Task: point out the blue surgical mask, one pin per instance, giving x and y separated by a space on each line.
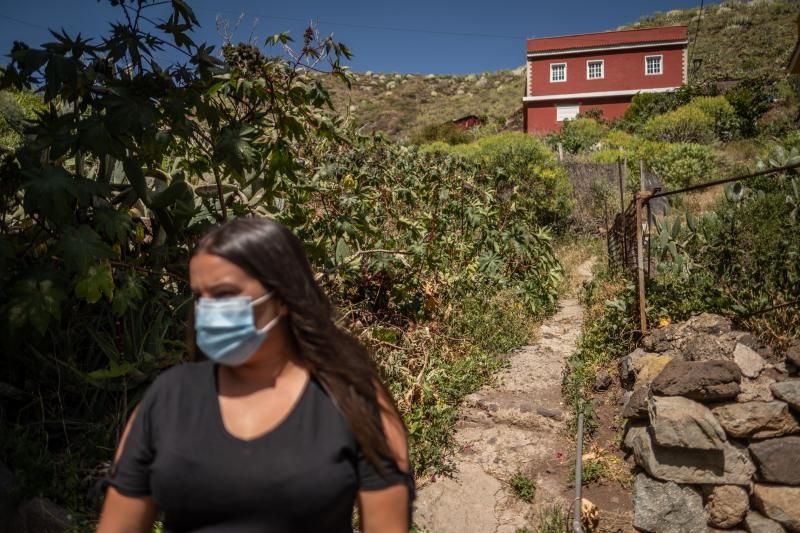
226 328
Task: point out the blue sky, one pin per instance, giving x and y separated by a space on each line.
412 36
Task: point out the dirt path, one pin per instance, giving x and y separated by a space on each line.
518 425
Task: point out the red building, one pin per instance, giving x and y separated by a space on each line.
468 122
574 73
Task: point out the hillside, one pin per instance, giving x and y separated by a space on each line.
736 39
398 104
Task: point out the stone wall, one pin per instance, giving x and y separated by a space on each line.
713 423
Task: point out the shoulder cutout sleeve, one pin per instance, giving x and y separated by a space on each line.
130 474
371 478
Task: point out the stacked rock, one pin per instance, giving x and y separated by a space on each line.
714 425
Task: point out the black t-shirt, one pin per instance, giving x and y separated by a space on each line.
301 476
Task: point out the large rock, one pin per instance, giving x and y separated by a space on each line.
649 366
789 392
779 503
682 422
41 515
756 522
699 380
756 390
727 506
757 420
636 406
663 339
709 323
754 343
666 507
793 353
627 367
729 466
705 347
778 460
748 360
603 381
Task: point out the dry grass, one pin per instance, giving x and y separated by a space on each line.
400 104
571 252
703 200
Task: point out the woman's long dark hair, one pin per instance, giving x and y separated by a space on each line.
273 255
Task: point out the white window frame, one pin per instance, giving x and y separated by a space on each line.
602 69
660 65
551 72
576 107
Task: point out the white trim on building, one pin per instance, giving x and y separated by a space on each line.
599 94
583 50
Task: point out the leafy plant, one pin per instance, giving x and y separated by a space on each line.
552 519
523 487
524 165
446 132
751 98
581 134
686 124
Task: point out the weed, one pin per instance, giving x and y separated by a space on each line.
608 333
552 520
523 487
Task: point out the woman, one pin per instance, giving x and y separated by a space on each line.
282 429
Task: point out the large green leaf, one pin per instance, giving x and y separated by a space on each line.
128 295
81 247
115 370
95 282
342 251
34 302
112 223
234 148
54 192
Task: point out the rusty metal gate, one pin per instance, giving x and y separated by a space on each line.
628 238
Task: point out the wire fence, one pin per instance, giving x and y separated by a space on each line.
629 237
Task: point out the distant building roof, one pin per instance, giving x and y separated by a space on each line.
467 117
608 39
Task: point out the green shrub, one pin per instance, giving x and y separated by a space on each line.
447 133
16 107
581 134
685 124
680 164
525 164
645 106
523 487
677 164
750 99
552 519
721 112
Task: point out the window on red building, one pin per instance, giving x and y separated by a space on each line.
558 72
594 69
653 65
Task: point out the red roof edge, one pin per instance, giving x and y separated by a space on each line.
608 38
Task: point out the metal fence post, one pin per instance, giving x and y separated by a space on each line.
620 178
640 199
